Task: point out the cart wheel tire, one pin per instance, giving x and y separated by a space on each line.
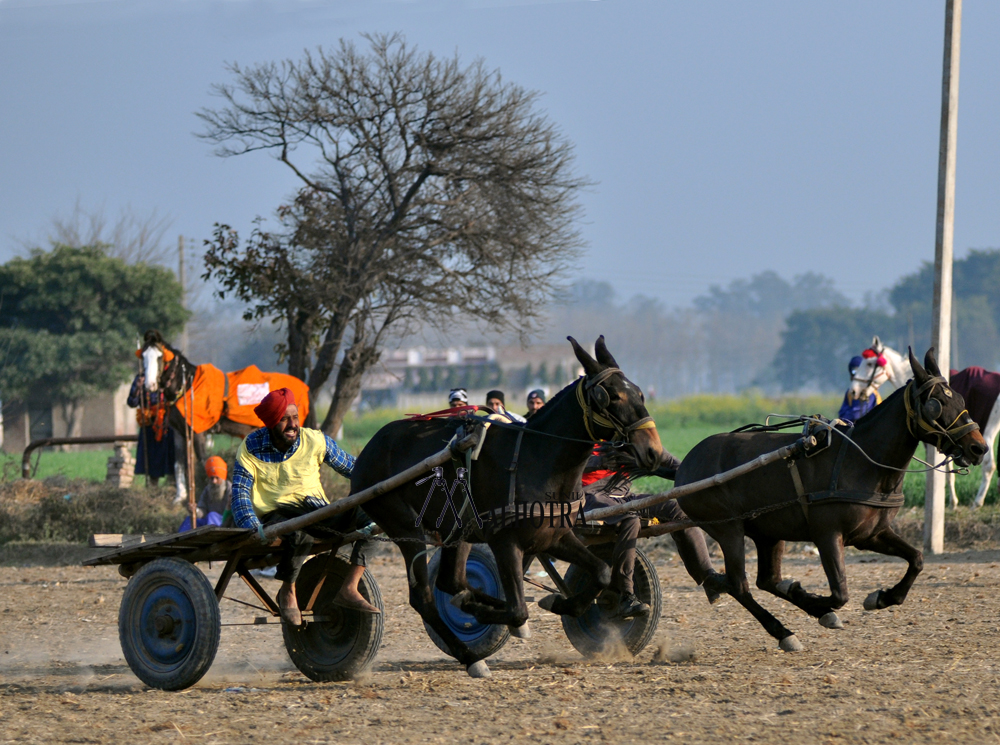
594 634
169 624
343 644
483 639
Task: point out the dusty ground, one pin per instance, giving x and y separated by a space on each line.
925 672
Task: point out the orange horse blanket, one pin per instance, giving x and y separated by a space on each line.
234 395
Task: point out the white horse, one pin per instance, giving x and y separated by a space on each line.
896 370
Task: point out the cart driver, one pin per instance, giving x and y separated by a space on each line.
276 477
604 487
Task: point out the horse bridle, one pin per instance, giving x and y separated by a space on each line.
875 368
921 418
594 399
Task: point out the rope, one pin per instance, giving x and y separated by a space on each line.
798 418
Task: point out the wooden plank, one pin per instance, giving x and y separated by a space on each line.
121 540
175 544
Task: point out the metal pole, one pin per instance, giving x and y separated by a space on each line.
943 244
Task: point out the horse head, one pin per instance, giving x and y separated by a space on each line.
614 407
156 356
936 414
879 364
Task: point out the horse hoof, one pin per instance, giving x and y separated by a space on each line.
871 602
549 601
786 586
460 598
790 644
521 632
831 621
479 670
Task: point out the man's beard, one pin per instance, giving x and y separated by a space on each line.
217 490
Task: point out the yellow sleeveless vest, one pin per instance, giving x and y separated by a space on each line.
291 480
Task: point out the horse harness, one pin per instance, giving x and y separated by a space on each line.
921 422
834 493
594 400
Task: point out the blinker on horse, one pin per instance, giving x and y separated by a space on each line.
845 496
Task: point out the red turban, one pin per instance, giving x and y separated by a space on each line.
215 466
273 407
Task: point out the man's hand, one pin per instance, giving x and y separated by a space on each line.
668 467
264 540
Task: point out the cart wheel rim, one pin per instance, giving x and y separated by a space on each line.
464 625
166 624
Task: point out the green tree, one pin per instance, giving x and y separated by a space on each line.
69 318
817 345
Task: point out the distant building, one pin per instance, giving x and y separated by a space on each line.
418 378
104 415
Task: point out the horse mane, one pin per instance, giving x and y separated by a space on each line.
545 412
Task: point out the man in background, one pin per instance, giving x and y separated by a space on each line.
536 400
495 402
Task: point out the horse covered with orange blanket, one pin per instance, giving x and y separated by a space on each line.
206 400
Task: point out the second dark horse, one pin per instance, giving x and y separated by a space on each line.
839 505
544 464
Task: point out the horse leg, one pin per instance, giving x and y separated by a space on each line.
889 543
952 494
831 554
730 540
452 579
422 601
514 612
989 466
769 554
570 548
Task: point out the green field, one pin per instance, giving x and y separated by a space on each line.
682 424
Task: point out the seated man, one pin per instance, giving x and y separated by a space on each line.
603 489
215 498
495 401
276 477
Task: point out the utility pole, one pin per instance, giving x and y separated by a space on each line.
943 244
182 276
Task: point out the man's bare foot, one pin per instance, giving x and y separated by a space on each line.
348 595
289 605
354 601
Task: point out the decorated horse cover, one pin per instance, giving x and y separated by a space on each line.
234 395
979 388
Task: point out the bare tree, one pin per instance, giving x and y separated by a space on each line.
129 236
429 191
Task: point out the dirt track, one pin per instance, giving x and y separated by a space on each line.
920 673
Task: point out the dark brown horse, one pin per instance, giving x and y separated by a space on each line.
541 463
836 502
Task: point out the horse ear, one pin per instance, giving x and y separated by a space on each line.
877 346
603 355
919 374
590 365
930 363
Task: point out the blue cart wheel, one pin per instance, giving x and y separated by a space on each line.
169 624
594 633
482 572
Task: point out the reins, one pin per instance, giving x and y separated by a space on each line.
916 416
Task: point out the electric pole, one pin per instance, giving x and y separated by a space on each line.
943 245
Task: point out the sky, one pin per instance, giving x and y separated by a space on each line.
724 138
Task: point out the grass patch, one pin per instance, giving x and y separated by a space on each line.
62 511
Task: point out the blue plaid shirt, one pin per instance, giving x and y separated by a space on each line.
260 446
